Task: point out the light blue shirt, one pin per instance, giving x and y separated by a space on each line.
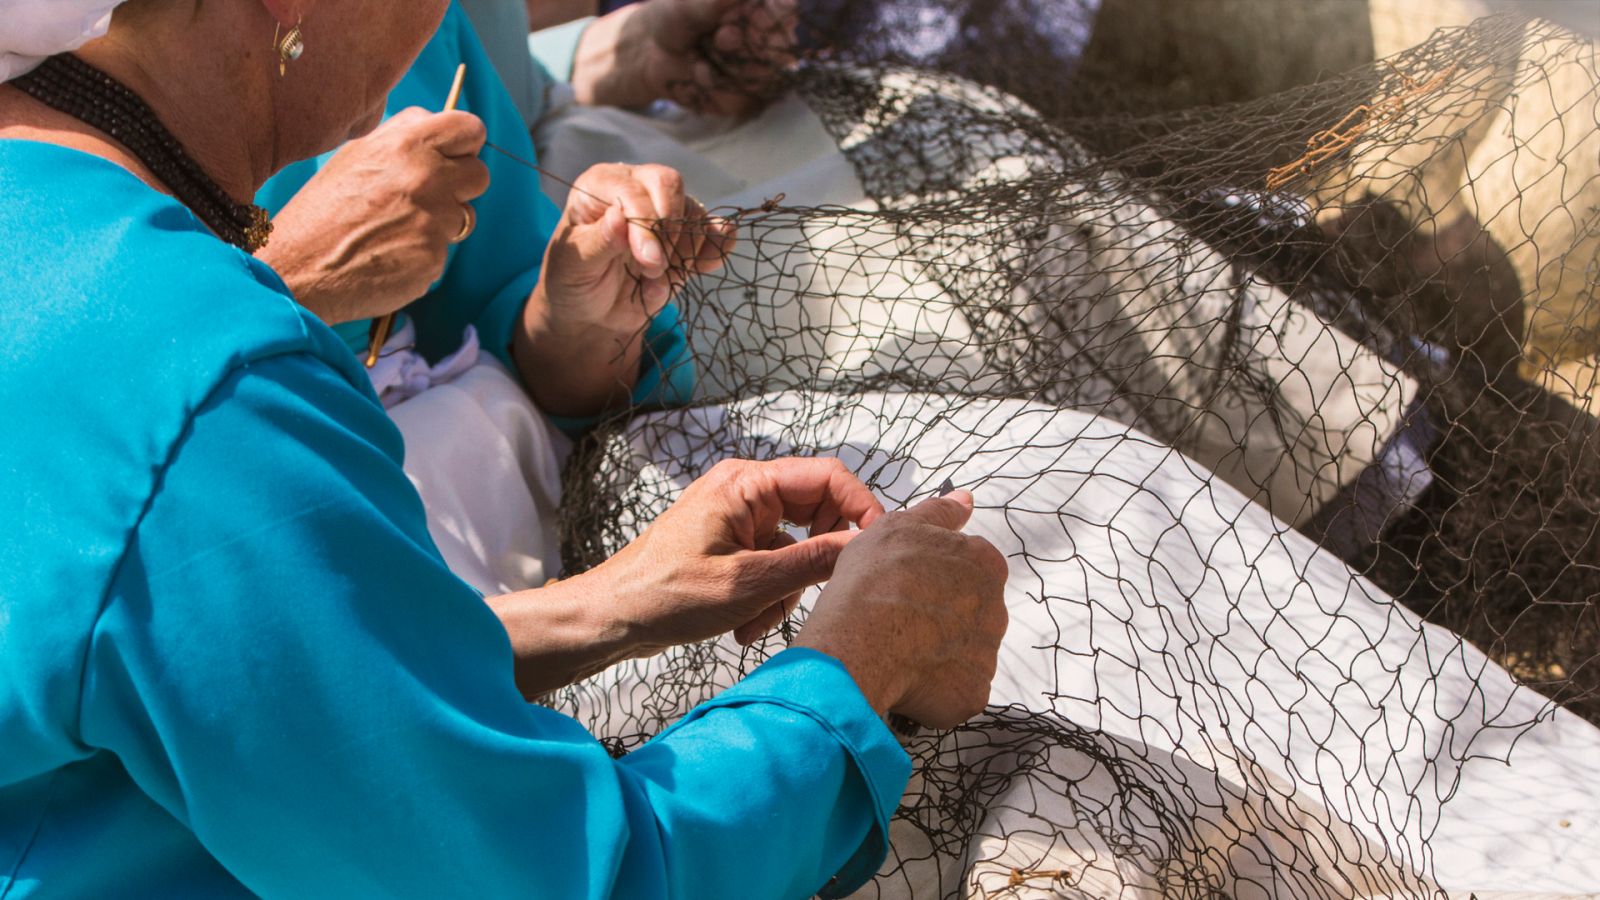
489 277
233 662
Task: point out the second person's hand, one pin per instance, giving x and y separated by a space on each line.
629 239
722 57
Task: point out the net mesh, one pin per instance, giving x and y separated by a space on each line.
1280 410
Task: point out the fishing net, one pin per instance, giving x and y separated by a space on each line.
1280 410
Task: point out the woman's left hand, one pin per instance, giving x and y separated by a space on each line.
629 239
713 563
717 561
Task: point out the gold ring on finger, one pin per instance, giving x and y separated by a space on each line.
469 223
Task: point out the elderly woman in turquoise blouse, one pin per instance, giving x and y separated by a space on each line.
233 659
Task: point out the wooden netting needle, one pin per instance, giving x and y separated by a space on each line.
378 335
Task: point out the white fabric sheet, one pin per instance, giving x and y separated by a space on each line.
1235 665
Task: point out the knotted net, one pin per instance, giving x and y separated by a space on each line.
1280 410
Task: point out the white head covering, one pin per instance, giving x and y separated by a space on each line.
31 30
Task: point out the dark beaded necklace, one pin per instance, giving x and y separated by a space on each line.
69 85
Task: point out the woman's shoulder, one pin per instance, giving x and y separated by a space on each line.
122 319
101 270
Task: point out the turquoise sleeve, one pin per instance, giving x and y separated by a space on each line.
502 26
286 666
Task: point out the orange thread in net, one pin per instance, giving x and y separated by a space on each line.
1330 142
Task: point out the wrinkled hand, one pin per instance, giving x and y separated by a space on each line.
716 562
713 56
628 240
369 233
608 267
916 611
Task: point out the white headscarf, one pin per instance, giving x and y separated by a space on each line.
31 30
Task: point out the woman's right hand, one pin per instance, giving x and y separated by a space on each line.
916 611
370 232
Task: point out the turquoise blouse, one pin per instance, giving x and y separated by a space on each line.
489 276
233 662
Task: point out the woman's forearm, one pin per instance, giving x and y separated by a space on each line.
575 373
550 13
563 633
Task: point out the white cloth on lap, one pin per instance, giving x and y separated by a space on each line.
402 373
488 464
485 460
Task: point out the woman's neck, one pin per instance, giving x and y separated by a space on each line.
223 121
